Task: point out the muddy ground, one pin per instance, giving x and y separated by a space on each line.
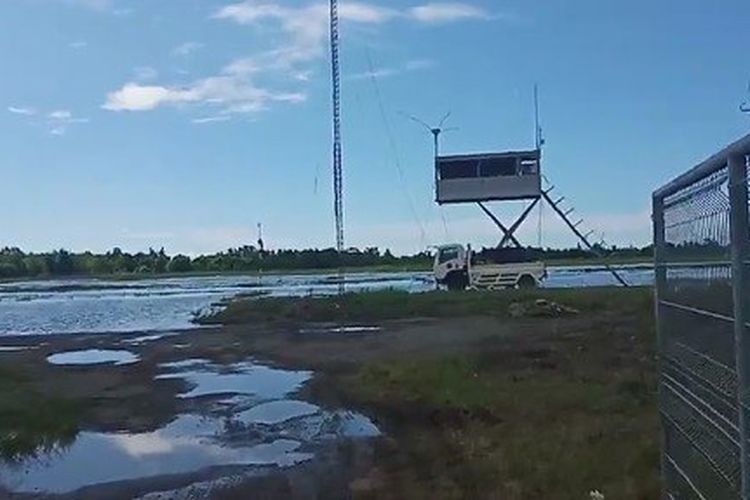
473 406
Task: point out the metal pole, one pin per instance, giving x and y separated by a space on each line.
738 224
537 127
660 269
660 284
338 182
436 143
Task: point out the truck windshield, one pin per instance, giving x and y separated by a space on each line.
448 254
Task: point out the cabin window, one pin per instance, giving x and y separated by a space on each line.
497 167
458 169
489 166
529 166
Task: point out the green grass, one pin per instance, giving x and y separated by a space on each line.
479 434
30 423
387 305
546 417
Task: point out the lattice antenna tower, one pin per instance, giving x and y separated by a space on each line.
338 182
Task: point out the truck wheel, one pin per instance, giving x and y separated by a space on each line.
456 281
526 282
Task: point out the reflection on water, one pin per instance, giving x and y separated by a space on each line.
276 412
86 306
258 426
93 357
27 440
188 444
341 330
208 379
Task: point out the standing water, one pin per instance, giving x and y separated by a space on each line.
99 306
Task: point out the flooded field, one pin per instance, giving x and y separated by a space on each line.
242 417
301 409
155 305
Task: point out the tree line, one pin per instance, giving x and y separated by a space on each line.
15 263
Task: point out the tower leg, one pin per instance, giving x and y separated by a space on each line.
509 232
520 221
583 238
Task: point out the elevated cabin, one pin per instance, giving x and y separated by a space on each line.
514 175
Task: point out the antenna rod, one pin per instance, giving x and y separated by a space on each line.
538 139
436 136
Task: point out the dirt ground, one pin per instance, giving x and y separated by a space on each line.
129 397
540 370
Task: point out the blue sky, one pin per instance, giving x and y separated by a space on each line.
183 123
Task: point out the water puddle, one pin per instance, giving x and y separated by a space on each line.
341 330
93 357
276 412
142 339
257 427
208 379
188 444
13 348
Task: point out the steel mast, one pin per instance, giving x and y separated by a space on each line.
338 182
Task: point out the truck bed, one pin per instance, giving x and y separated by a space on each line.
493 276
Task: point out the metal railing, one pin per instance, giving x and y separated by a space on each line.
701 240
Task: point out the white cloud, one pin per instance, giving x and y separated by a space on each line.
211 119
60 120
415 65
18 110
252 84
307 27
231 93
375 73
135 97
78 45
56 122
439 13
187 48
145 73
61 114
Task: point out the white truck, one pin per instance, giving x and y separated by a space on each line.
459 268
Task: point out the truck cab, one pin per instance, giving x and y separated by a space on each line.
458 267
451 266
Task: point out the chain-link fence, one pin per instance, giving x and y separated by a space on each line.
701 240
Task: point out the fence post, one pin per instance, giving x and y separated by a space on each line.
660 270
660 281
738 223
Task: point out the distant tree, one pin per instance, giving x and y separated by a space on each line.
62 262
179 264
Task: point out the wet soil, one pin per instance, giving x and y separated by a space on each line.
131 398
